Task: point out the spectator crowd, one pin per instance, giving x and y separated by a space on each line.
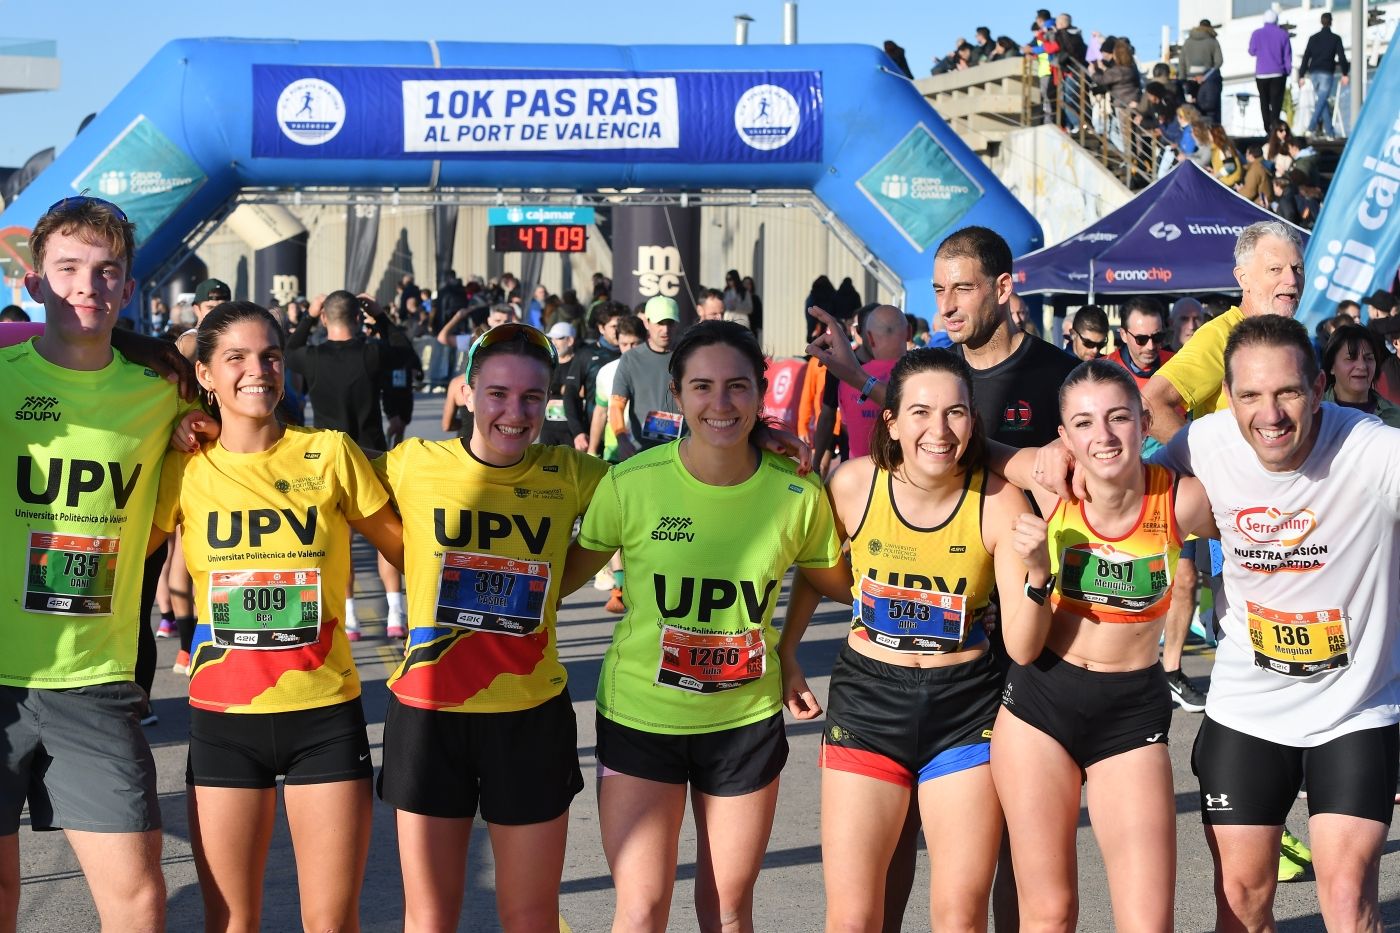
1171 113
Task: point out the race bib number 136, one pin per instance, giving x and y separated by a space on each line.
1298 644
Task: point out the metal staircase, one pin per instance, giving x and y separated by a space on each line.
984 103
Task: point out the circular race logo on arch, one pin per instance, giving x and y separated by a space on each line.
310 111
767 117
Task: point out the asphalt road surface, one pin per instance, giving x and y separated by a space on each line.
789 895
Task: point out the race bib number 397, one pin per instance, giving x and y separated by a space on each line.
1298 644
72 575
485 593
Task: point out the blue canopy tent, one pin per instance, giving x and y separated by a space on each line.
1177 236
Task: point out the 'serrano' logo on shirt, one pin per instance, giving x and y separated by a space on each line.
1267 525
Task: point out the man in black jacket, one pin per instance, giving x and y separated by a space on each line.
344 374
1323 60
345 378
581 377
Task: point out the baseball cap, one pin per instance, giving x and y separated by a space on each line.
212 289
561 329
660 308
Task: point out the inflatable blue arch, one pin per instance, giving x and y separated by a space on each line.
206 118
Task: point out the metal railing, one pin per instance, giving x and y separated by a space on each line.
1070 98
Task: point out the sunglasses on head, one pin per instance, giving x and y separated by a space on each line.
503 332
1158 338
1091 344
79 200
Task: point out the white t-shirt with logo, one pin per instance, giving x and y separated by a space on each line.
1311 556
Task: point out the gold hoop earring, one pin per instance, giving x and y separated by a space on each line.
211 398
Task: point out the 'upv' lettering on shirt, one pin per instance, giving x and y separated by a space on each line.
80 453
484 550
266 538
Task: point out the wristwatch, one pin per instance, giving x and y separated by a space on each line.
1039 594
866 389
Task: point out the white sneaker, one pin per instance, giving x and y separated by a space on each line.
397 626
603 581
352 630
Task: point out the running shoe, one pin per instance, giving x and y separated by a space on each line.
1184 694
352 631
396 627
167 629
182 663
1289 870
1295 848
615 604
603 580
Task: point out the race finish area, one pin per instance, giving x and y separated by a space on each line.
415 121
789 892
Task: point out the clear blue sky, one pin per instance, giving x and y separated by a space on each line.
102 45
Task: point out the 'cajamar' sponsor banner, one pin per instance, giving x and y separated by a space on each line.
1355 247
452 113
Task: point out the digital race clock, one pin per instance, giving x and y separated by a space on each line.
540 238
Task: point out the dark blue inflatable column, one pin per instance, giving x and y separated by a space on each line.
656 251
279 271
185 279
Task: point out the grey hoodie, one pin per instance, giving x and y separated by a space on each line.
1199 53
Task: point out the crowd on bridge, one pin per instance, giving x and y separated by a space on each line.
1172 112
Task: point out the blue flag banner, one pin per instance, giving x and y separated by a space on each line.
332 112
1355 247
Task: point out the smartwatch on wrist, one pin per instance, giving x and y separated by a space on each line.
1039 594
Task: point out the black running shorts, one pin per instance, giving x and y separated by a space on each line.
311 746
908 725
520 767
727 763
1093 714
1247 781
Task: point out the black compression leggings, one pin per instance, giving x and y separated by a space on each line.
145 638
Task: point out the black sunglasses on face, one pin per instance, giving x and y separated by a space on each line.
1091 344
1158 338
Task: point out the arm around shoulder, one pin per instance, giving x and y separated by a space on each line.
1193 511
1164 404
384 530
1020 551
